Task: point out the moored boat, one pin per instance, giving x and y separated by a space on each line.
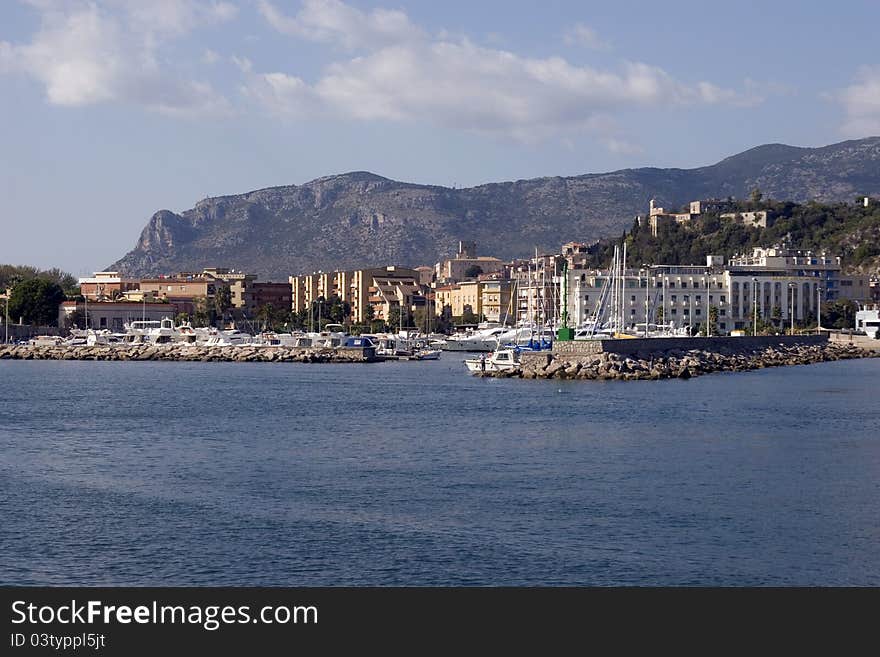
497 361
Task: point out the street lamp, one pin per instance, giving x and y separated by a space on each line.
791 287
819 290
755 305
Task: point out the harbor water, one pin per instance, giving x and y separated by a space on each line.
415 473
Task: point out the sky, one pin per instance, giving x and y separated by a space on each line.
113 109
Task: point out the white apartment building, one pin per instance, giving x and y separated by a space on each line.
770 283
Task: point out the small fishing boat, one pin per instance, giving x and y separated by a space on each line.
497 361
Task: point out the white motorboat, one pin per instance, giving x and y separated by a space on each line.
272 339
480 340
229 338
150 331
333 335
497 361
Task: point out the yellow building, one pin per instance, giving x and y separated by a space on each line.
383 288
460 298
496 301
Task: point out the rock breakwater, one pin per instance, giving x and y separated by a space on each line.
188 353
681 364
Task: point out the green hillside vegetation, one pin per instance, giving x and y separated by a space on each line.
845 229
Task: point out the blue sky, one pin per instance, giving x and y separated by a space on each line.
113 109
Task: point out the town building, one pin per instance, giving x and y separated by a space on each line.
396 289
757 218
536 288
186 291
868 321
497 301
657 216
111 315
106 285
769 285
577 254
239 285
465 263
277 295
378 288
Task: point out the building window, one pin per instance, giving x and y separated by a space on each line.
697 312
722 312
674 311
673 298
723 298
684 284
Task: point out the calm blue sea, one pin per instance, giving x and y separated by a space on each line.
416 473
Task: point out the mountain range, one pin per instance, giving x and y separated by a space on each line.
360 219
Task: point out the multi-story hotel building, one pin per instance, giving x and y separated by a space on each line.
771 284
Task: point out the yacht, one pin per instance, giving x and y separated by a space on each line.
150 331
229 338
480 340
272 339
333 335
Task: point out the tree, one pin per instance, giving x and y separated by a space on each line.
182 318
420 319
36 301
268 316
469 317
756 196
393 321
201 314
12 274
839 314
776 316
473 271
713 322
222 300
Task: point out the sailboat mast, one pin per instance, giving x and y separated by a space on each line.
623 289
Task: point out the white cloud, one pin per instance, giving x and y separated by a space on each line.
243 64
584 35
862 104
87 52
210 56
175 17
622 146
332 21
464 86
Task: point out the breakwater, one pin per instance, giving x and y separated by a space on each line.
191 353
676 361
